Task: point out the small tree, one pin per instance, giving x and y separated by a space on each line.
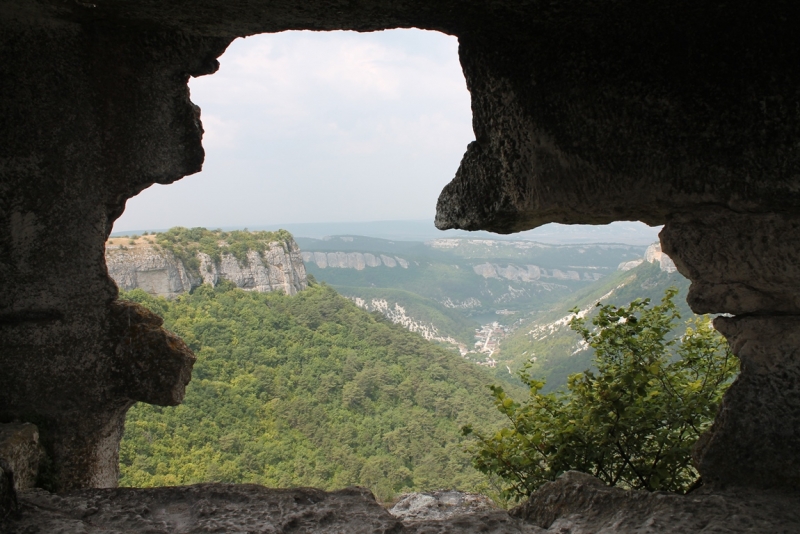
633 422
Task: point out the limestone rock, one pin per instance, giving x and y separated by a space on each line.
8 497
159 272
21 452
580 504
628 265
152 269
225 508
652 254
755 439
576 503
151 364
454 511
352 260
738 263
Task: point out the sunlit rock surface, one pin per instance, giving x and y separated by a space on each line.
159 272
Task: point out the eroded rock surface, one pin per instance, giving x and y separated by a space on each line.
203 508
157 270
584 112
580 504
21 453
576 503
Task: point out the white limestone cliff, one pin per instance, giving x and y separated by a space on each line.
653 254
352 260
147 267
159 272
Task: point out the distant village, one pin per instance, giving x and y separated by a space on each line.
487 341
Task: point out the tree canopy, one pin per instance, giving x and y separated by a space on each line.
307 390
631 422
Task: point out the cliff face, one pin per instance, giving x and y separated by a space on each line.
653 254
156 270
353 260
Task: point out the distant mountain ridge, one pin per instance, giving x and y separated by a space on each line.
626 232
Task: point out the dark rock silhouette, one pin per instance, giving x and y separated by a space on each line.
584 112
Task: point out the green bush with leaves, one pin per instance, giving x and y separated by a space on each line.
632 422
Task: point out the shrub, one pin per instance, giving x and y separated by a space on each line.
632 422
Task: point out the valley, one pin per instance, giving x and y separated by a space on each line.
355 360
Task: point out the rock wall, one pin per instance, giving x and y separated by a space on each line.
149 268
653 254
531 273
353 260
159 272
583 112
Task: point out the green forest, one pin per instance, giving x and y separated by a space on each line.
307 390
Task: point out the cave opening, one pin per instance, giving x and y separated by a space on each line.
320 127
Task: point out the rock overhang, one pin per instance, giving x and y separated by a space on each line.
584 112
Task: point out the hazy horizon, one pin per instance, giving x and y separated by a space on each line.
632 233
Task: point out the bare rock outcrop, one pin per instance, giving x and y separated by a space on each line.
152 269
454 511
228 508
580 504
652 254
278 268
157 270
576 503
352 260
21 453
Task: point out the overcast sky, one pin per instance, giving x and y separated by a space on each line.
319 127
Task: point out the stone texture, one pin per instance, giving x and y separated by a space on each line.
748 265
738 263
8 496
159 272
154 270
21 453
204 508
583 112
755 439
352 260
454 511
276 269
90 115
602 113
580 504
576 503
81 402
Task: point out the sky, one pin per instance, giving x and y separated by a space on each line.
311 130
320 127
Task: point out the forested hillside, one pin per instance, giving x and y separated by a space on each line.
306 390
554 351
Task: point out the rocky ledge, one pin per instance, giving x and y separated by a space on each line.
142 264
575 504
